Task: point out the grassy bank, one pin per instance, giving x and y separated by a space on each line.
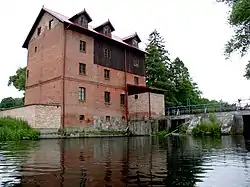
210 128
16 129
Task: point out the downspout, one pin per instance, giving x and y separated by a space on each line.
63 77
126 87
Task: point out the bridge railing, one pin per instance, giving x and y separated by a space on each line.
204 108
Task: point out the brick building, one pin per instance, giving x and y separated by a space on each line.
89 72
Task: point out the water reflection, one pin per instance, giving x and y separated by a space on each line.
137 161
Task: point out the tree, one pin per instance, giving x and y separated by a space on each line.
187 91
171 76
7 102
19 79
11 102
157 67
239 19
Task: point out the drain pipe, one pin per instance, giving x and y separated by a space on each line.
126 87
63 76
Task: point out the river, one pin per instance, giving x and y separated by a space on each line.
134 161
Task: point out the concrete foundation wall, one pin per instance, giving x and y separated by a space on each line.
38 116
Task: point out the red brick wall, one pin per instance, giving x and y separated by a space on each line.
94 83
45 65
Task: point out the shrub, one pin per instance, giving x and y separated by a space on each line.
161 133
16 129
183 128
211 128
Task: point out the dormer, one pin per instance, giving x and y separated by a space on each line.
82 18
105 28
133 40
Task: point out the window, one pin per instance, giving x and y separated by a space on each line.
81 118
35 49
82 68
136 62
135 43
38 31
107 118
107 30
83 22
27 74
136 96
122 99
106 74
50 24
136 80
82 46
107 97
82 94
107 53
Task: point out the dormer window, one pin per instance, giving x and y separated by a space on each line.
135 42
107 30
82 18
83 21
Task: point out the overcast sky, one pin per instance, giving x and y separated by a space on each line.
194 30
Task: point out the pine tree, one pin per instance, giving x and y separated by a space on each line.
157 67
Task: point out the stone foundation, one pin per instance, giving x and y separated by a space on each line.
38 116
47 118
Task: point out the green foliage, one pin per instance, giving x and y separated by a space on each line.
11 102
172 76
161 133
19 79
183 128
211 128
239 19
157 64
16 129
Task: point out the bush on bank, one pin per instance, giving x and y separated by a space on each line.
16 129
161 133
210 128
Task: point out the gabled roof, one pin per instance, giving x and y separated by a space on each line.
84 12
103 25
65 19
135 35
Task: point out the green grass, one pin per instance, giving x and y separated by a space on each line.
211 128
161 133
16 129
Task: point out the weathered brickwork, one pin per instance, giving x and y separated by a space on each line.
139 106
38 116
45 63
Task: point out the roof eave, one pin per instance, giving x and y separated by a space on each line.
40 15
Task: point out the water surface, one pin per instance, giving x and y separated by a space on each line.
118 162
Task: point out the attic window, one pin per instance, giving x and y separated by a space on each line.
107 30
50 24
83 21
136 62
38 31
135 42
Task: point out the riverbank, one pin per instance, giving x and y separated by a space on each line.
16 129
